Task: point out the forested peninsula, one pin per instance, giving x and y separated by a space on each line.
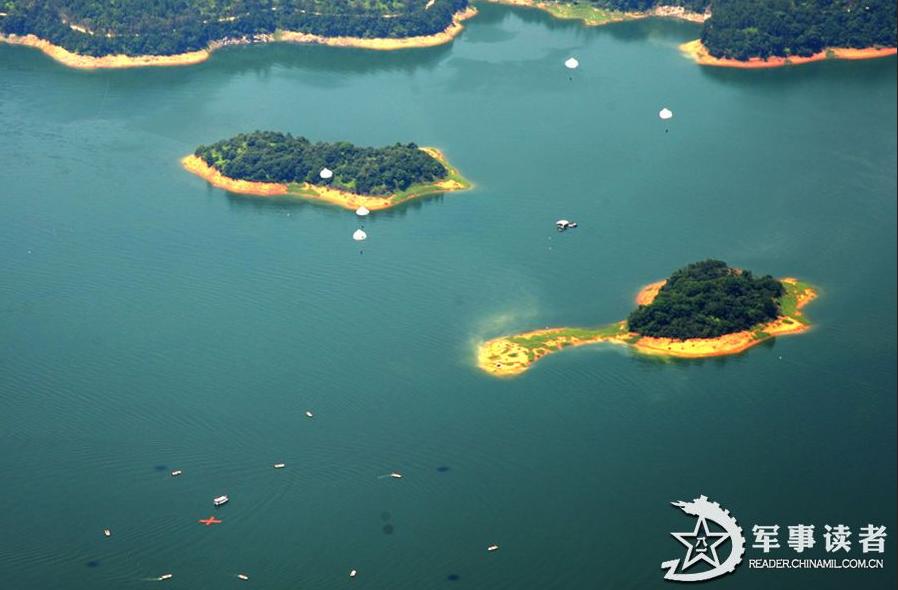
755 33
127 33
270 163
704 309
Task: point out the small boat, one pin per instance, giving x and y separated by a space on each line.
107 533
309 414
221 500
353 573
176 473
564 224
243 576
166 577
280 465
492 548
396 475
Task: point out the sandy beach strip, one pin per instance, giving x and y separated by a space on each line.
696 51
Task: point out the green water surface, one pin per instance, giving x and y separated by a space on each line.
149 322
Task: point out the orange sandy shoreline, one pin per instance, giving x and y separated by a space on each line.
699 53
503 357
88 62
386 44
344 199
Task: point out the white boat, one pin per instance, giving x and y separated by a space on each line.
176 473
309 414
492 548
107 532
563 224
220 500
243 576
396 475
280 465
353 573
166 577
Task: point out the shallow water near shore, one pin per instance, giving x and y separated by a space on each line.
149 322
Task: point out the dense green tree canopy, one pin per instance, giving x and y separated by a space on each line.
269 156
164 27
742 29
708 299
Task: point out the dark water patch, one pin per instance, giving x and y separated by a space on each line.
443 468
388 529
92 563
453 577
160 467
385 516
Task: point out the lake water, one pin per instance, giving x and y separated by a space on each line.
149 322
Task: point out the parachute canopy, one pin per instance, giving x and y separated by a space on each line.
362 211
571 63
359 235
665 113
326 173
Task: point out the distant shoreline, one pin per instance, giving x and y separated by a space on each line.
699 53
508 356
88 62
593 16
322 194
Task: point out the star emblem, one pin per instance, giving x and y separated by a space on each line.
699 544
209 521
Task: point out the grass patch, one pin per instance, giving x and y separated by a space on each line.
590 15
542 339
789 301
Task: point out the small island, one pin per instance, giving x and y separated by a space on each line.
704 309
269 163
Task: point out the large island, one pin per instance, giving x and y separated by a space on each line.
705 309
269 163
89 34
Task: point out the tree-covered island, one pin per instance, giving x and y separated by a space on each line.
704 309
127 33
273 163
706 300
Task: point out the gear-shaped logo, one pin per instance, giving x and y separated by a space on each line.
702 543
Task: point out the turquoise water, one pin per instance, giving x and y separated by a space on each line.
149 322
